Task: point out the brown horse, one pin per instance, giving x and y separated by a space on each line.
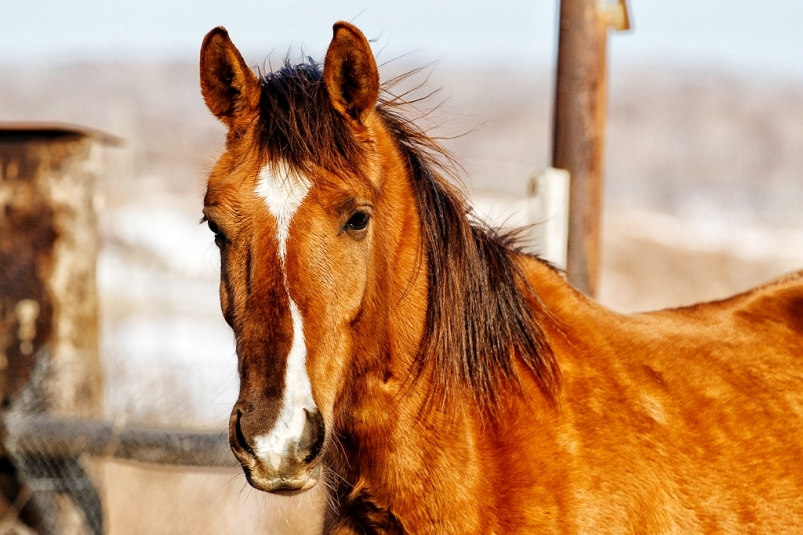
440 381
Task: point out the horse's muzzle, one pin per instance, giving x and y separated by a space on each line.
286 466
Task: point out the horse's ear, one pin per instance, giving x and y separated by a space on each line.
230 88
350 73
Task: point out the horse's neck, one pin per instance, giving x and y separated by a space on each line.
554 291
572 319
395 438
386 371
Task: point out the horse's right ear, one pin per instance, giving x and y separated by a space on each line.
230 88
350 73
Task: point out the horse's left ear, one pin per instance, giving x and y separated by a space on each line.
350 73
230 89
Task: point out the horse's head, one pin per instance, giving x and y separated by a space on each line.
295 204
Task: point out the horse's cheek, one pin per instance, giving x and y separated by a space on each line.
350 267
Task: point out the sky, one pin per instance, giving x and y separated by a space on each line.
762 36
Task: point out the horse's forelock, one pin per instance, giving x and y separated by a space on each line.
298 125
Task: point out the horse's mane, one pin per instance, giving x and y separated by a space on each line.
482 312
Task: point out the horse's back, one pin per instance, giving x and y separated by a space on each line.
702 405
751 343
779 301
762 326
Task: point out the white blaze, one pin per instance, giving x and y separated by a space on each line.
297 396
283 193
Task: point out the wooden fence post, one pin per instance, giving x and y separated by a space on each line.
49 356
579 124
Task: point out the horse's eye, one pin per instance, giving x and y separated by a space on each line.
219 236
357 221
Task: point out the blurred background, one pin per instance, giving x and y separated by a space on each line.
703 182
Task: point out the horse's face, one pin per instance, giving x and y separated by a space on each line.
296 254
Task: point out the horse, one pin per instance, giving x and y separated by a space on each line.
436 378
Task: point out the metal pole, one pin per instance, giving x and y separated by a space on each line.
579 124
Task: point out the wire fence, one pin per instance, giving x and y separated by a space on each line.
158 467
47 453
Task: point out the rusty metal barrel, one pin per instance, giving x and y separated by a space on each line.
49 354
52 416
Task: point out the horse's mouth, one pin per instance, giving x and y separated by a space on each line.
284 485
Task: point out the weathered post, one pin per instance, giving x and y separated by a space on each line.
49 357
579 124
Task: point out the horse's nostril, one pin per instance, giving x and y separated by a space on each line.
238 434
312 439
